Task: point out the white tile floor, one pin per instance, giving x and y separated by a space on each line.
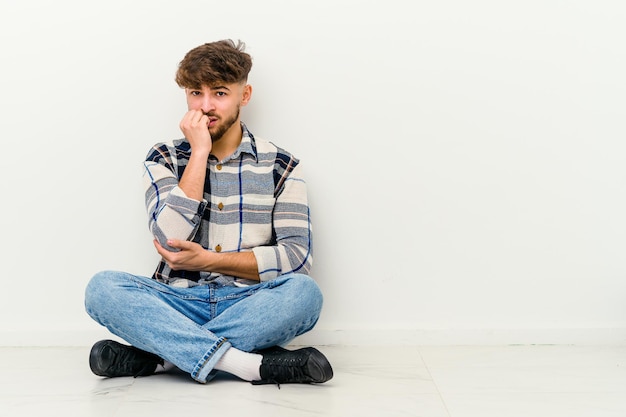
507 381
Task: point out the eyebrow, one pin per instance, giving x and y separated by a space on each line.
219 87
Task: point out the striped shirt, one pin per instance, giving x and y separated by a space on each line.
255 200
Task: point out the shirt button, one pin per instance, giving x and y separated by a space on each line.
219 167
220 206
218 248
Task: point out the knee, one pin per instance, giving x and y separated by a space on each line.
307 303
99 290
307 293
97 284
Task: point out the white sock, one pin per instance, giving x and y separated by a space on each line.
166 367
241 364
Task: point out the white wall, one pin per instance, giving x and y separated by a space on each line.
466 160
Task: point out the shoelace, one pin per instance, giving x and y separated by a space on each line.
290 371
127 362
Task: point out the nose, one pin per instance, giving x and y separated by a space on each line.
206 105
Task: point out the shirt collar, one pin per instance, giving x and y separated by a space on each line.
247 144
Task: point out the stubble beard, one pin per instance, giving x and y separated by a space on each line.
223 128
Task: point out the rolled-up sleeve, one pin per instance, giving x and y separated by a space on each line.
171 214
293 231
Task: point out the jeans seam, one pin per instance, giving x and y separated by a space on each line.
207 358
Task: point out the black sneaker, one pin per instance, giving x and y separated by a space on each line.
111 359
303 366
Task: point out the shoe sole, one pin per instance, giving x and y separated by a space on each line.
150 361
318 366
95 355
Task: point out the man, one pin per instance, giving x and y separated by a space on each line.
230 218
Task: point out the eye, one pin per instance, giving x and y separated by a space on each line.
220 93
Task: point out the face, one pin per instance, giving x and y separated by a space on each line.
221 103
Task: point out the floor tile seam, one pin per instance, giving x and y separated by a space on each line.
534 367
432 378
532 392
124 398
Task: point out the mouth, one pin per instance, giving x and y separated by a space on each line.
212 121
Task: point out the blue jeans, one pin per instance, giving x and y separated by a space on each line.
193 327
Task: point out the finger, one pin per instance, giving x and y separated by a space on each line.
175 243
196 117
182 245
190 119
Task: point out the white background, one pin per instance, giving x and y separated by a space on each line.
465 160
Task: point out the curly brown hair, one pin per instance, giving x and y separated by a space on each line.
214 63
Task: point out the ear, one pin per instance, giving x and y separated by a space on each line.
247 94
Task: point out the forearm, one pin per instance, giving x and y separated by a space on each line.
195 127
190 256
192 180
174 205
237 264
